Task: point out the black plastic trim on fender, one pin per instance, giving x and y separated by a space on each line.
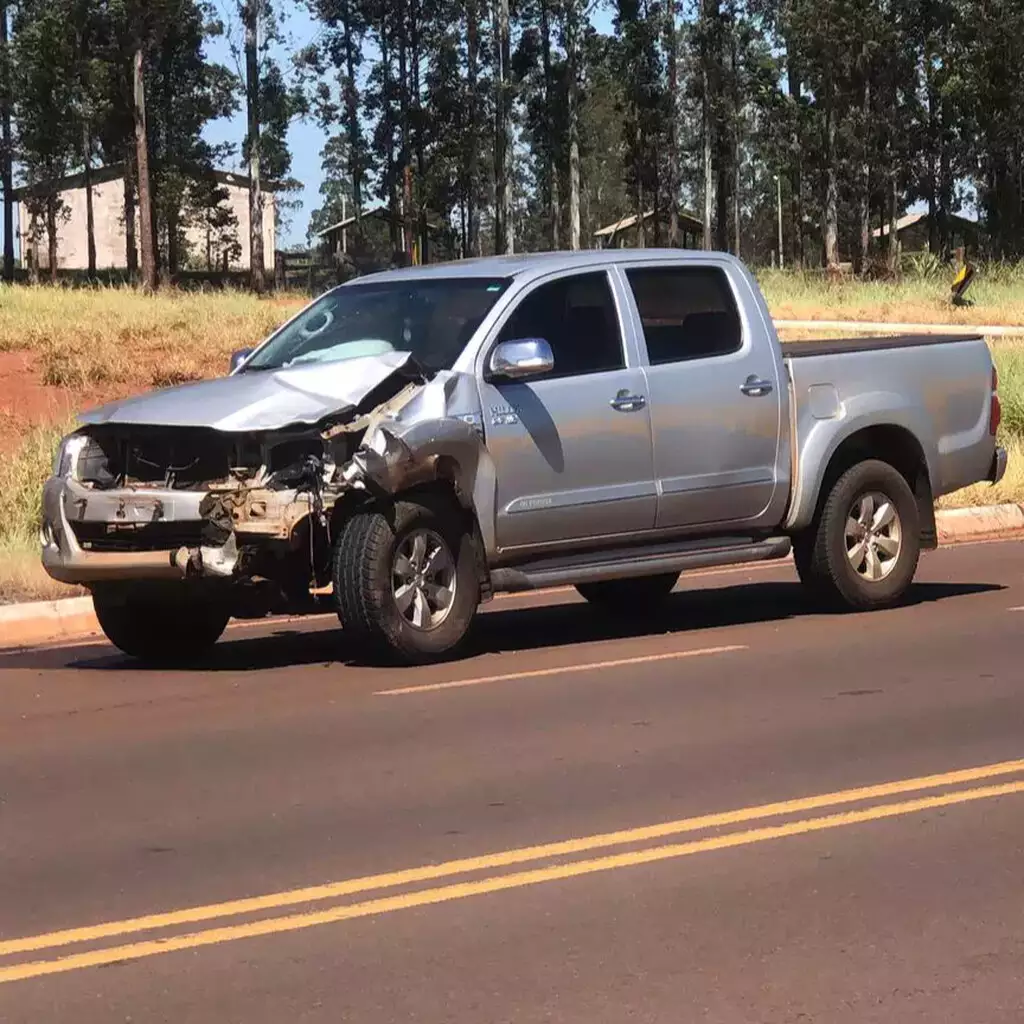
635 563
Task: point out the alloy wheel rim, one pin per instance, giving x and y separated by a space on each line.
873 536
423 579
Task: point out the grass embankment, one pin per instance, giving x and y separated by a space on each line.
92 345
997 297
86 338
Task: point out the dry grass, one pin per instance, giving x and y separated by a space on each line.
997 295
102 336
22 577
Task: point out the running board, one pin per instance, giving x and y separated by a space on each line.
630 563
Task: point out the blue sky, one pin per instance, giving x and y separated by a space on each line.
305 137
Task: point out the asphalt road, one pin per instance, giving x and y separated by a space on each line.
739 811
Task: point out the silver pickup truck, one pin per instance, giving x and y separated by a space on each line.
414 441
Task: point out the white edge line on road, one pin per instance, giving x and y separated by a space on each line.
561 670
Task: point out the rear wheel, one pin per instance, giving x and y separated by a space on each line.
161 627
630 596
405 579
864 548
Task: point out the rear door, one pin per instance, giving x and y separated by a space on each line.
572 448
714 396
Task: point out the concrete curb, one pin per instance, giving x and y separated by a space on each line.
48 622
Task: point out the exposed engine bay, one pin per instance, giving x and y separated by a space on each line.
256 508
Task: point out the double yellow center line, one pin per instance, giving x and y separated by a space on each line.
558 860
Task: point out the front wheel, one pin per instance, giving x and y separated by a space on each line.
864 548
630 596
163 628
405 579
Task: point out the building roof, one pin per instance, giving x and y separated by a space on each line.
380 210
910 219
113 172
686 220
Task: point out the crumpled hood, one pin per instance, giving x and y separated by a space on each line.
258 400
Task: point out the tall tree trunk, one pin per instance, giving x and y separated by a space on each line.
355 161
142 164
706 129
933 144
551 163
572 44
894 238
131 255
7 156
253 10
403 116
502 142
735 112
418 138
831 183
472 237
796 209
672 125
864 199
390 184
90 218
51 233
173 249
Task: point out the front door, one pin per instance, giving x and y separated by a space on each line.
572 448
714 396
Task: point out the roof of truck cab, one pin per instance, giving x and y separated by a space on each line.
539 263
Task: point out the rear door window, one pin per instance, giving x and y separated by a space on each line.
686 312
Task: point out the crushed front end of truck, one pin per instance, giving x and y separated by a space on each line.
249 516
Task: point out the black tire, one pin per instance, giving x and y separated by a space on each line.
366 554
821 553
634 596
160 628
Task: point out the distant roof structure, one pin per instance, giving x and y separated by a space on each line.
909 220
112 172
380 210
687 222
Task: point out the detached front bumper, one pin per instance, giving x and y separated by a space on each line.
90 536
998 468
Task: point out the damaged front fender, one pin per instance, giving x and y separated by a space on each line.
435 435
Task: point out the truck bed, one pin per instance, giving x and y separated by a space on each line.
841 346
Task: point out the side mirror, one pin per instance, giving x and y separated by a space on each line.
237 358
522 357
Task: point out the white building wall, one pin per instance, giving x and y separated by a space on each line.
110 235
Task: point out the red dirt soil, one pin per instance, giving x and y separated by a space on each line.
26 402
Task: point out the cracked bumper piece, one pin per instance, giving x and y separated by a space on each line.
84 536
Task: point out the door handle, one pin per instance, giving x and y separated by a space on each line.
625 402
756 387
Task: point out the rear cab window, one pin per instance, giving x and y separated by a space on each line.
686 313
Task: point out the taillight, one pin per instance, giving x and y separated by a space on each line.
996 413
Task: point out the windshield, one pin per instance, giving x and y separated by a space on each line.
431 318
